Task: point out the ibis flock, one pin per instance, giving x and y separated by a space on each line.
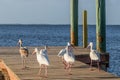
66 55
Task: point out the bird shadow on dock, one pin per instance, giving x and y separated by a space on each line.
83 66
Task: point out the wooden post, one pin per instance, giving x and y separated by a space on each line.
101 33
74 22
85 36
100 26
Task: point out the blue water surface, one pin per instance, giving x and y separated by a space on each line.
59 35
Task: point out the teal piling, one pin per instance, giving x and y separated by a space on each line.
101 33
100 26
74 22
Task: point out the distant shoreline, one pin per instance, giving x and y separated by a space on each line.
51 25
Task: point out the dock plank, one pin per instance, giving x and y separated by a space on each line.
56 71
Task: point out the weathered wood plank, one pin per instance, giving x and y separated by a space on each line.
56 69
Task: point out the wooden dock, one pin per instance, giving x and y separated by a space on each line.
11 63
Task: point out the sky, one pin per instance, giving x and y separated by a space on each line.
53 11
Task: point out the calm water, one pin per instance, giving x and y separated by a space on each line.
58 35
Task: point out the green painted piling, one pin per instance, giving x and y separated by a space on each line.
85 36
100 26
74 22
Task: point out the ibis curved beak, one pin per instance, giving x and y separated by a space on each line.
33 52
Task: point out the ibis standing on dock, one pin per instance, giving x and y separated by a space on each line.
43 60
94 55
23 52
68 57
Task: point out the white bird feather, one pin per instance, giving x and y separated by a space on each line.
62 52
42 56
94 55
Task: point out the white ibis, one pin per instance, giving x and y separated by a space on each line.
94 55
67 57
43 60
